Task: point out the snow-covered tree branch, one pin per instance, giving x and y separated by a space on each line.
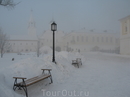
8 3
4 46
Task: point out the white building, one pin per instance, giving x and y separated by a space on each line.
92 41
25 43
80 41
83 41
125 36
22 44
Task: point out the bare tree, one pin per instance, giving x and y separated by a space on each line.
4 46
8 3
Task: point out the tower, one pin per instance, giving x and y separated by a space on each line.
31 27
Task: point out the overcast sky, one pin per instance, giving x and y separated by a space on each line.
68 14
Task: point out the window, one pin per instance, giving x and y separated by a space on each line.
86 38
82 38
97 39
67 43
126 29
8 51
117 40
111 40
77 38
125 26
106 39
102 39
93 39
73 38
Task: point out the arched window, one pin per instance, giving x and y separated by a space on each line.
106 39
86 38
111 40
77 38
93 39
102 39
82 38
117 40
125 26
97 39
73 38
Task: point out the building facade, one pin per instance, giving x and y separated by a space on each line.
83 41
86 41
125 36
24 43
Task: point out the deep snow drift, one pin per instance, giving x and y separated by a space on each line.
101 75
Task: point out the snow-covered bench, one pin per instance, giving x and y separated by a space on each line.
31 81
77 62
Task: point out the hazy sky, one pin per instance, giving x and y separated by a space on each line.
68 14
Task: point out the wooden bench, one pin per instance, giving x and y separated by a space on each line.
77 62
23 85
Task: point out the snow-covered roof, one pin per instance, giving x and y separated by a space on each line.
124 18
22 37
48 34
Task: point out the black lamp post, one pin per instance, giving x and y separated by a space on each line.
53 28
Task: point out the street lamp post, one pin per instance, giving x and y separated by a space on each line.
53 28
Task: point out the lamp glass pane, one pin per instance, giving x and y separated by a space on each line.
53 26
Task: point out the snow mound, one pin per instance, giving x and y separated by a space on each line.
31 66
45 50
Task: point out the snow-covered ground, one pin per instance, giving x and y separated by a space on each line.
101 75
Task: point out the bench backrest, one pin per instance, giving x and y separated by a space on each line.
78 60
74 61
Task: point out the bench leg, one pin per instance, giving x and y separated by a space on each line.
14 87
78 65
25 90
19 86
50 77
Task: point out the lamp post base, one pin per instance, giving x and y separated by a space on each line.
54 62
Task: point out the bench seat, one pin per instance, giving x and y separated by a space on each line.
77 62
23 85
34 80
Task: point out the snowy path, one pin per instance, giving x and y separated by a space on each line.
101 76
105 76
